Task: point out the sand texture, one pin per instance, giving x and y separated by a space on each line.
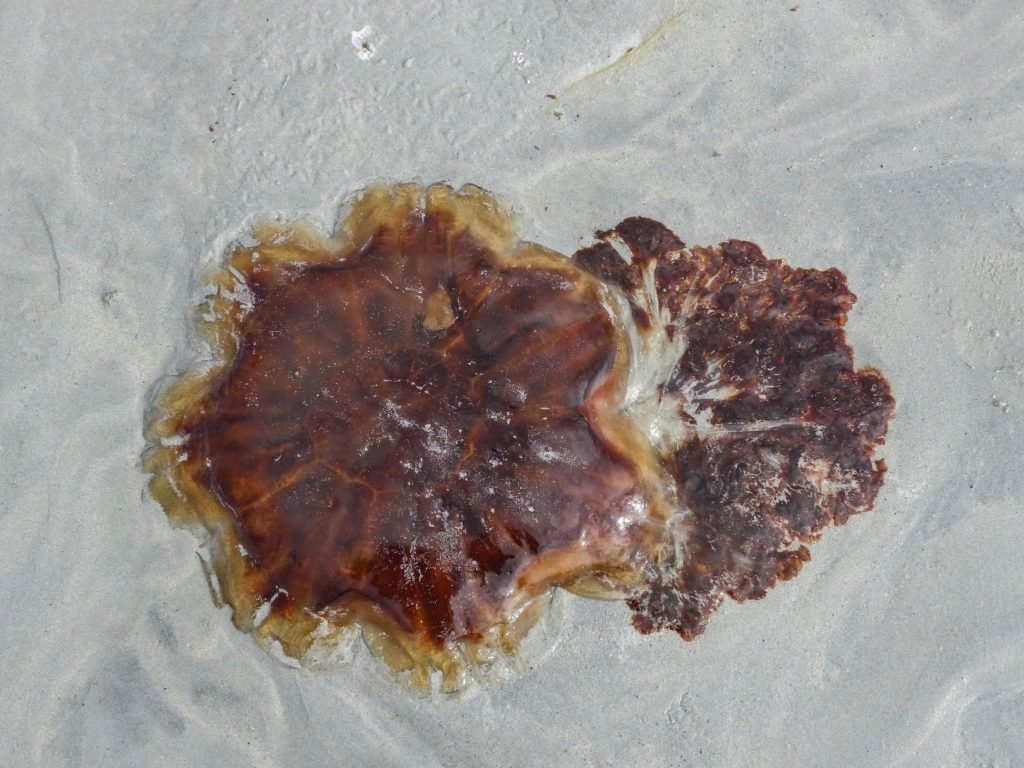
139 139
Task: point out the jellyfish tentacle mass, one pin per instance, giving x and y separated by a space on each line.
419 426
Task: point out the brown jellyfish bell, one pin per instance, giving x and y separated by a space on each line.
418 427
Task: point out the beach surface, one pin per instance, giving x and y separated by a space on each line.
138 139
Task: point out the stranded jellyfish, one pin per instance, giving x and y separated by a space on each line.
415 429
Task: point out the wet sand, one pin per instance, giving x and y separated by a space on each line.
139 141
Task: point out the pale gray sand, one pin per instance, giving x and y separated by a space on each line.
885 142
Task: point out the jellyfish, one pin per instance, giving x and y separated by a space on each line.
415 428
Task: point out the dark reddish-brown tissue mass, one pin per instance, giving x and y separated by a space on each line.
418 427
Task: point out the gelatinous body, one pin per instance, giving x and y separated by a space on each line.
422 425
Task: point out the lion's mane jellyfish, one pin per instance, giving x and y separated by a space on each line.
418 427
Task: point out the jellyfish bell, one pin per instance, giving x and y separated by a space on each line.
419 426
